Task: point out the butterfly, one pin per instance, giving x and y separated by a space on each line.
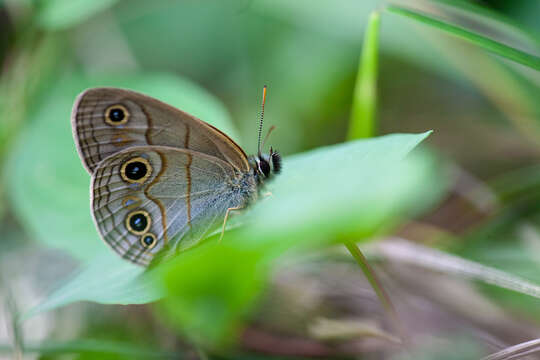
162 179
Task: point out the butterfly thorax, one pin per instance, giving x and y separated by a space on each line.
243 186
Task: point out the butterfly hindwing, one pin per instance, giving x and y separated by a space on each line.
148 198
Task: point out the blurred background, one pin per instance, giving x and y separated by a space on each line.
214 57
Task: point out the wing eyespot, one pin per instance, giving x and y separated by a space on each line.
138 222
136 170
148 240
116 115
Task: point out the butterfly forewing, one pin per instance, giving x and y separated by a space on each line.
108 120
146 199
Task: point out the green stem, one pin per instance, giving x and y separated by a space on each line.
369 273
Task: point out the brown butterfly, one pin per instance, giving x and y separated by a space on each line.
162 179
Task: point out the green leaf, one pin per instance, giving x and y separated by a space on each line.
350 190
209 304
353 189
346 191
493 46
61 14
46 182
363 117
106 279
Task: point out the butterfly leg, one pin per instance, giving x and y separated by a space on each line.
225 220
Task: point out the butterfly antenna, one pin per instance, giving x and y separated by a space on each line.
268 134
261 122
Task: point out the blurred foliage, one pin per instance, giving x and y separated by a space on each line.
471 75
362 123
61 14
495 47
90 349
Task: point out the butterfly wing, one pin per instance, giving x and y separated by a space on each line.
146 199
108 120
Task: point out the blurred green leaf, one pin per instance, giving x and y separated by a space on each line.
475 38
361 186
350 191
60 14
211 290
106 279
47 184
363 117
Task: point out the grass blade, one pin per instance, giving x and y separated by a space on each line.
408 253
484 42
516 351
362 122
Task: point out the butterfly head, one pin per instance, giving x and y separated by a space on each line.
267 164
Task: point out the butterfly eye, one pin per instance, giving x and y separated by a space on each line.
116 115
148 240
264 167
136 170
138 222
